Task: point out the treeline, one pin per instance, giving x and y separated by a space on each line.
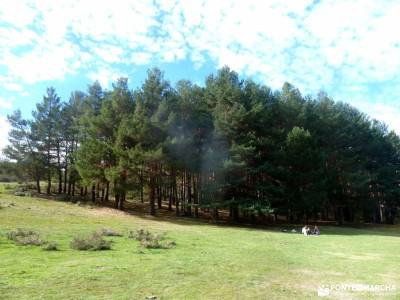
9 171
232 146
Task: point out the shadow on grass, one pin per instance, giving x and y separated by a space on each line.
164 215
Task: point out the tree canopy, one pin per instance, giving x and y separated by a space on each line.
230 146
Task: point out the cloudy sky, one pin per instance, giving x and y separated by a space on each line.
350 49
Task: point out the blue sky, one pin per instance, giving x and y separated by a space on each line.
350 49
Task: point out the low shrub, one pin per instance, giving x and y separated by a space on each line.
20 194
24 237
140 234
64 197
108 232
50 246
14 234
33 240
150 240
93 242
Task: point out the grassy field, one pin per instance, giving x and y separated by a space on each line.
208 262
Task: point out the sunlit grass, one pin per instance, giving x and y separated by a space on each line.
208 261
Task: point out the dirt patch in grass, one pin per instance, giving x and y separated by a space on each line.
105 211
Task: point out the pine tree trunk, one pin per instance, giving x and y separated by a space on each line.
141 186
116 200
48 183
159 197
107 191
73 188
183 193
234 211
170 191
176 197
151 199
189 194
59 171
119 201
38 184
60 181
93 193
215 214
98 191
196 181
65 178
159 187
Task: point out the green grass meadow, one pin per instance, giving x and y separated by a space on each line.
208 261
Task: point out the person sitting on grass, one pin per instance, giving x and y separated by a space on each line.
316 230
305 230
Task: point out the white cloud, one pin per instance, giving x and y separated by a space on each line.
109 53
105 76
12 86
5 103
4 129
141 58
388 114
312 44
24 17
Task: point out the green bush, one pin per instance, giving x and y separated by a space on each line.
93 242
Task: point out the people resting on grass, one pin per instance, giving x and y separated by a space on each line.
306 230
316 230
